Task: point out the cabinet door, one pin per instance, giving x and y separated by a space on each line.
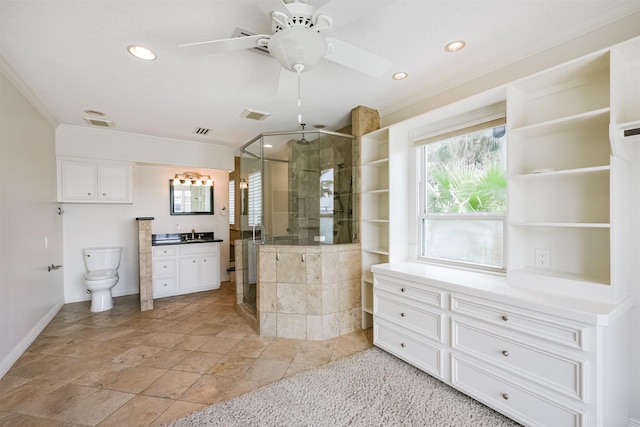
189 273
210 271
79 181
114 182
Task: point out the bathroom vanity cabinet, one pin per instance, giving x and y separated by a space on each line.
94 181
185 268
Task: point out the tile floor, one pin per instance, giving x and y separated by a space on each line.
130 368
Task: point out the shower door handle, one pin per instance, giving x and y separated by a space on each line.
262 236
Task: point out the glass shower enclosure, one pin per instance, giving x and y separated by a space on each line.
297 188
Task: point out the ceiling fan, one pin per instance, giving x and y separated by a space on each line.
298 42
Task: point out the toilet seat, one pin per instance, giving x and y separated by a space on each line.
100 275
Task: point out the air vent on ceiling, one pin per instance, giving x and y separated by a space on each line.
99 122
241 32
253 115
201 131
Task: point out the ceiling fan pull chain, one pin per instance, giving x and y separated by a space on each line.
299 69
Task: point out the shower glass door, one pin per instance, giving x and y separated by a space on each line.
251 216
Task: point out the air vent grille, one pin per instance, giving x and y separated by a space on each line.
99 122
201 131
254 115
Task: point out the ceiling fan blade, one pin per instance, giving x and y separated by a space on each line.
343 12
357 58
225 45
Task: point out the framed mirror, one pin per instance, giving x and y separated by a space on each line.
190 199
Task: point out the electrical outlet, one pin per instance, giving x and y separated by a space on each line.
177 226
542 258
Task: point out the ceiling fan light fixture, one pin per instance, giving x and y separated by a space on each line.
142 52
455 46
297 46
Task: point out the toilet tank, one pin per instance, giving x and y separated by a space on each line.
102 258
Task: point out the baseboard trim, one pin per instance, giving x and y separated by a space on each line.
634 423
25 342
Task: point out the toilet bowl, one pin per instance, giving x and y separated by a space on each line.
102 275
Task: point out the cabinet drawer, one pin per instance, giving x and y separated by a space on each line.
407 315
164 285
426 296
164 266
409 348
199 248
548 328
511 397
542 366
165 251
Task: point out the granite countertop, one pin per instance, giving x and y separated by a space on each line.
183 238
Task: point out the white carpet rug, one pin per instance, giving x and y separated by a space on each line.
371 388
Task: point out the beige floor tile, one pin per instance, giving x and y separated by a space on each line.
314 355
281 349
57 401
207 329
162 339
11 382
243 386
232 366
108 351
191 342
249 348
96 407
161 325
172 384
29 392
139 411
22 420
198 361
99 373
135 379
166 358
176 410
266 370
209 389
218 345
296 368
237 331
136 355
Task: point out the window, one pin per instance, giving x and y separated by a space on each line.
463 197
232 202
255 199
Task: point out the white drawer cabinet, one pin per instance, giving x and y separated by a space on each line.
187 268
542 361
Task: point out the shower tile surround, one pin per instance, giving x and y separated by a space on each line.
308 292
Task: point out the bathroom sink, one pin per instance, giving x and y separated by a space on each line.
195 241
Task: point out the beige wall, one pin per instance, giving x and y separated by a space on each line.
29 295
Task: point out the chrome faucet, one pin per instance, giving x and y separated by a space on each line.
193 231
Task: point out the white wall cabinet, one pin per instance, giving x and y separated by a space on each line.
540 363
94 182
187 268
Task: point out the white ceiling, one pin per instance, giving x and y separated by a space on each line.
72 55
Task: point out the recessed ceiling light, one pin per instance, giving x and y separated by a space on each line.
401 75
267 146
455 46
94 113
141 52
319 126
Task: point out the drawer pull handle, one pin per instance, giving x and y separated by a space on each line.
505 353
505 317
505 396
402 289
403 345
402 314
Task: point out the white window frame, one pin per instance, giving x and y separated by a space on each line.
421 169
232 202
254 206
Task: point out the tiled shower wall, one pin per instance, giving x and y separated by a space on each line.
309 292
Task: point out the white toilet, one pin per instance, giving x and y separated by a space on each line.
102 275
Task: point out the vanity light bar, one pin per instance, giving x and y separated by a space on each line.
192 178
